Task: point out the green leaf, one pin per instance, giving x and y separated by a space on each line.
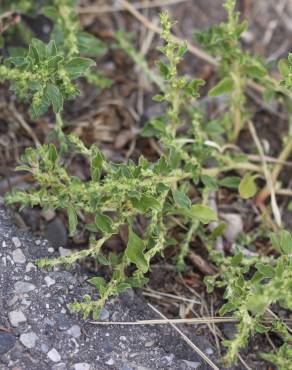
145 203
203 213
78 66
283 67
90 45
158 98
256 71
231 182
209 182
98 282
96 163
227 307
72 217
247 187
223 87
218 231
134 251
266 270
236 259
104 223
163 68
52 153
55 97
181 199
282 241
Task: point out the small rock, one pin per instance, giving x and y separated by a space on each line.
62 321
49 215
51 250
74 331
192 365
167 360
44 348
110 362
7 341
38 242
234 226
16 318
60 366
149 343
126 367
104 315
23 287
29 267
209 351
82 366
229 330
49 281
56 233
16 242
18 256
3 244
54 355
64 252
28 339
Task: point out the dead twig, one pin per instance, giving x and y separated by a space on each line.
186 339
24 124
202 265
95 9
268 176
191 48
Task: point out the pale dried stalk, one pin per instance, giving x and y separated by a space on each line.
268 176
95 9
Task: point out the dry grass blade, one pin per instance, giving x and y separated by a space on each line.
24 124
191 48
200 320
95 9
187 340
156 294
267 174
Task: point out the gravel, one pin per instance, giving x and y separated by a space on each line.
28 339
16 318
39 327
7 342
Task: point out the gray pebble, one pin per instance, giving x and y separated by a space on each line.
126 367
16 318
29 267
82 366
7 341
104 315
60 366
44 348
56 233
192 364
23 287
64 252
49 281
16 242
54 355
28 339
74 331
110 362
62 321
18 256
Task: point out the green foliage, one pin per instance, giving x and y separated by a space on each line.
236 67
252 286
192 157
44 76
247 187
